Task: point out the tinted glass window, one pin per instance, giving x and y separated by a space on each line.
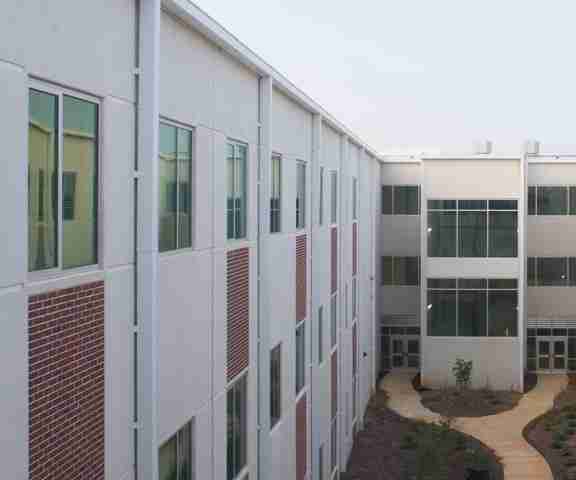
387 207
502 314
552 271
407 271
472 313
531 200
503 239
472 204
472 234
532 279
442 234
441 204
552 201
441 313
406 200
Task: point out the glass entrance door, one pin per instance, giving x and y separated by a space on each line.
405 351
552 354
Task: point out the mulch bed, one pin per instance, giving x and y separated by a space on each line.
392 447
554 434
450 402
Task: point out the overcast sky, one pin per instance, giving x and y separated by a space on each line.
423 72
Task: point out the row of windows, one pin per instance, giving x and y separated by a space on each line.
400 271
548 200
400 200
551 271
472 228
472 307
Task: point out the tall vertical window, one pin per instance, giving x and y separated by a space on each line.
320 335
300 194
237 195
334 320
300 357
354 199
321 200
276 195
175 456
334 445
237 433
275 384
400 199
175 172
401 271
354 297
333 196
321 463
62 181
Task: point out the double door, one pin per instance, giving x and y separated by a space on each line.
552 354
405 351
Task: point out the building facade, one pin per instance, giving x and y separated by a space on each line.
475 263
188 266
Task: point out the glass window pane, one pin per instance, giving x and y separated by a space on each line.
552 200
406 200
531 200
406 271
442 234
241 193
168 199
168 465
42 181
472 313
333 197
552 271
388 271
275 385
502 313
441 313
532 279
441 283
572 192
572 347
472 204
441 204
572 271
300 195
184 188
300 358
503 283
503 205
185 449
503 230
531 347
321 200
472 234
79 156
472 283
230 175
387 207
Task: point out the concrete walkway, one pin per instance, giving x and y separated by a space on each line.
501 432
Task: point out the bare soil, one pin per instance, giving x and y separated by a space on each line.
395 448
554 434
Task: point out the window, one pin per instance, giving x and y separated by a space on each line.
472 307
551 200
334 445
276 195
237 196
300 357
354 297
334 320
401 200
551 271
354 199
401 271
237 432
175 456
321 202
62 227
472 228
275 384
175 172
321 463
320 335
300 194
333 196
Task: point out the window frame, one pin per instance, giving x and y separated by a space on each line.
190 426
192 131
244 215
300 206
60 92
276 157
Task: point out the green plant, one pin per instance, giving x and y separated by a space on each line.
408 442
557 445
462 371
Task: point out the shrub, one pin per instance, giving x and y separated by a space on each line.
408 442
462 371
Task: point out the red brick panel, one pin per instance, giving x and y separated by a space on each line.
66 383
334 382
354 248
301 441
301 285
354 348
334 259
238 311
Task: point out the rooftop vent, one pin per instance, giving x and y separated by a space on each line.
483 147
531 147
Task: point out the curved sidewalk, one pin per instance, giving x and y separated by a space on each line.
501 432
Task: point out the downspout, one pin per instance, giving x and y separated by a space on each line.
146 267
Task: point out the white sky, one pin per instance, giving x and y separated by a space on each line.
423 72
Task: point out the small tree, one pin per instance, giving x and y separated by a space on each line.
462 371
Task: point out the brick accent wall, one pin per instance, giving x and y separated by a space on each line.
301 285
334 382
301 439
334 259
66 383
354 248
238 311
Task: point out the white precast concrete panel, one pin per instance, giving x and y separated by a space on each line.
408 172
282 447
400 235
331 151
473 178
219 332
119 370
220 188
184 338
292 132
550 302
496 361
85 45
220 429
203 444
551 235
117 172
203 195
552 172
439 267
400 300
14 121
288 202
14 382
